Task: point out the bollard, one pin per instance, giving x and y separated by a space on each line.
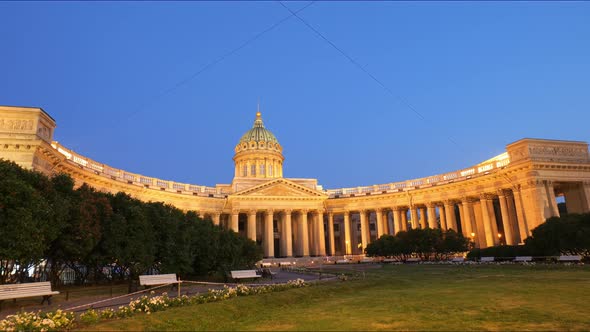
67 295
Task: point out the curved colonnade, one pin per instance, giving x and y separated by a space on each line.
496 202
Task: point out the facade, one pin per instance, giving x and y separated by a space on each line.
498 201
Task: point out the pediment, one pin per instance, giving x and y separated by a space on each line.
281 188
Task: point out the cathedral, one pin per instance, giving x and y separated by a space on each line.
498 201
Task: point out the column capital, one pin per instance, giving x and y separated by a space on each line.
468 199
269 211
303 210
396 208
503 192
430 204
251 212
235 211
287 211
378 210
447 202
487 196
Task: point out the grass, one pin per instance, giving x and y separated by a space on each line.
400 297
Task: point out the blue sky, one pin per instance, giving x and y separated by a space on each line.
481 75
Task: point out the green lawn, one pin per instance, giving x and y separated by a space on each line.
401 297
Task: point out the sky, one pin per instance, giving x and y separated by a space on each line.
167 89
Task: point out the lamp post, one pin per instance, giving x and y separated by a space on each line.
472 240
500 238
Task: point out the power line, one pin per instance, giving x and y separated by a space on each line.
216 61
403 101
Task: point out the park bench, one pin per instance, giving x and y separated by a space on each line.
569 258
367 260
31 289
487 259
158 279
244 274
343 261
413 260
285 264
523 258
389 260
266 265
458 260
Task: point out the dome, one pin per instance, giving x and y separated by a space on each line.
262 136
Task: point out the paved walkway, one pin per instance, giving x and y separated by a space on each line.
187 288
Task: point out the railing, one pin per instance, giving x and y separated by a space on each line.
136 179
488 167
90 165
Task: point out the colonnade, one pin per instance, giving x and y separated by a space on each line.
487 219
297 232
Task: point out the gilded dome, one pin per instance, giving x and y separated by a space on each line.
258 137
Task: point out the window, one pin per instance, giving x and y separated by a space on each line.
262 169
245 170
269 170
253 170
336 227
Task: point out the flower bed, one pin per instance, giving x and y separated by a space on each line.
60 320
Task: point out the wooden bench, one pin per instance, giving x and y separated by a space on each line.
343 261
158 279
32 289
523 258
390 260
244 274
458 260
487 259
413 260
367 260
569 258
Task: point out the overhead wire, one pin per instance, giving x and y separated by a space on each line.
402 100
217 60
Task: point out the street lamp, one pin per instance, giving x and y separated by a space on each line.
473 240
500 238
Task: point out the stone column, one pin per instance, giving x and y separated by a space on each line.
414 217
404 214
512 217
551 198
269 238
252 225
397 220
466 217
443 219
431 212
486 201
422 217
379 221
364 230
506 224
286 236
320 234
216 218
235 217
450 215
331 238
523 228
304 234
347 231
